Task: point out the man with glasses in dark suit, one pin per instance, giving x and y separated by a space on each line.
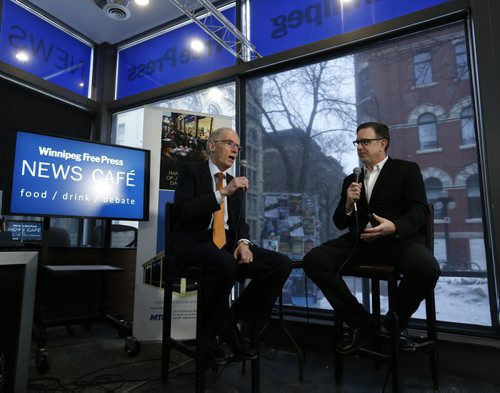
210 232
384 208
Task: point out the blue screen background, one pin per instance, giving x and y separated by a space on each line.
278 25
76 187
168 58
53 54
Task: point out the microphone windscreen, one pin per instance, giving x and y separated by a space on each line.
243 167
357 172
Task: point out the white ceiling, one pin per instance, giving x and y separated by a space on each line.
87 18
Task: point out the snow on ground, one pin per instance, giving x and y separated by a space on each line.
458 299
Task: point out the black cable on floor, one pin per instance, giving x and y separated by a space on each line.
51 384
46 384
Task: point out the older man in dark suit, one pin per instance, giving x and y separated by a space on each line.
385 211
210 232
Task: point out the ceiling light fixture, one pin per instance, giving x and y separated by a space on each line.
22 56
142 3
115 9
197 45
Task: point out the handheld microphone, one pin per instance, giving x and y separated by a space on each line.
243 168
241 215
356 171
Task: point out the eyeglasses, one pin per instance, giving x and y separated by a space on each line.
365 142
230 144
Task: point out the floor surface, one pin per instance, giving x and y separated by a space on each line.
95 361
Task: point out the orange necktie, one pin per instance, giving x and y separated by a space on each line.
219 232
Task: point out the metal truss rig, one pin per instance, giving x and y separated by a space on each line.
217 26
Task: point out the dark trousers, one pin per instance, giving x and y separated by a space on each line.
413 261
267 273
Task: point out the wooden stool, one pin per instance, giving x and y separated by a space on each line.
375 273
195 349
287 329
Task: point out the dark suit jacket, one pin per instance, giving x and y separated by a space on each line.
194 204
398 195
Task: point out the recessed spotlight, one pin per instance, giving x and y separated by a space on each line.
197 45
22 56
142 3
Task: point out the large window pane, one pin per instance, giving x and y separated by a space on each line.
427 131
216 100
462 68
128 130
422 68
300 124
467 123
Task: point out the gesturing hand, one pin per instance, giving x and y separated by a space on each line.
234 185
384 228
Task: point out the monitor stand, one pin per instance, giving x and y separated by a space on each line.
17 297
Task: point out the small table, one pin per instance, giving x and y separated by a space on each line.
65 271
83 268
17 314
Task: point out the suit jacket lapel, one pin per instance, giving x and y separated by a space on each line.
206 178
230 202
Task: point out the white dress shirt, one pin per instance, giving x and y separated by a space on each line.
370 177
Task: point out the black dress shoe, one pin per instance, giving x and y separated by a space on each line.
218 352
407 343
353 341
346 340
388 324
241 347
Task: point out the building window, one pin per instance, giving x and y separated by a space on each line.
304 139
214 109
427 131
462 68
252 177
433 189
422 68
253 202
473 196
120 134
362 90
251 136
467 126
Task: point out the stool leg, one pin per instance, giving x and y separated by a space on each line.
338 358
430 310
375 291
376 299
201 342
284 327
255 375
394 363
167 325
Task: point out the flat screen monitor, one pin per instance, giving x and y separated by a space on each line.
63 177
25 231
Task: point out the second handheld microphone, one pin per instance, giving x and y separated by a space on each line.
243 169
356 171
